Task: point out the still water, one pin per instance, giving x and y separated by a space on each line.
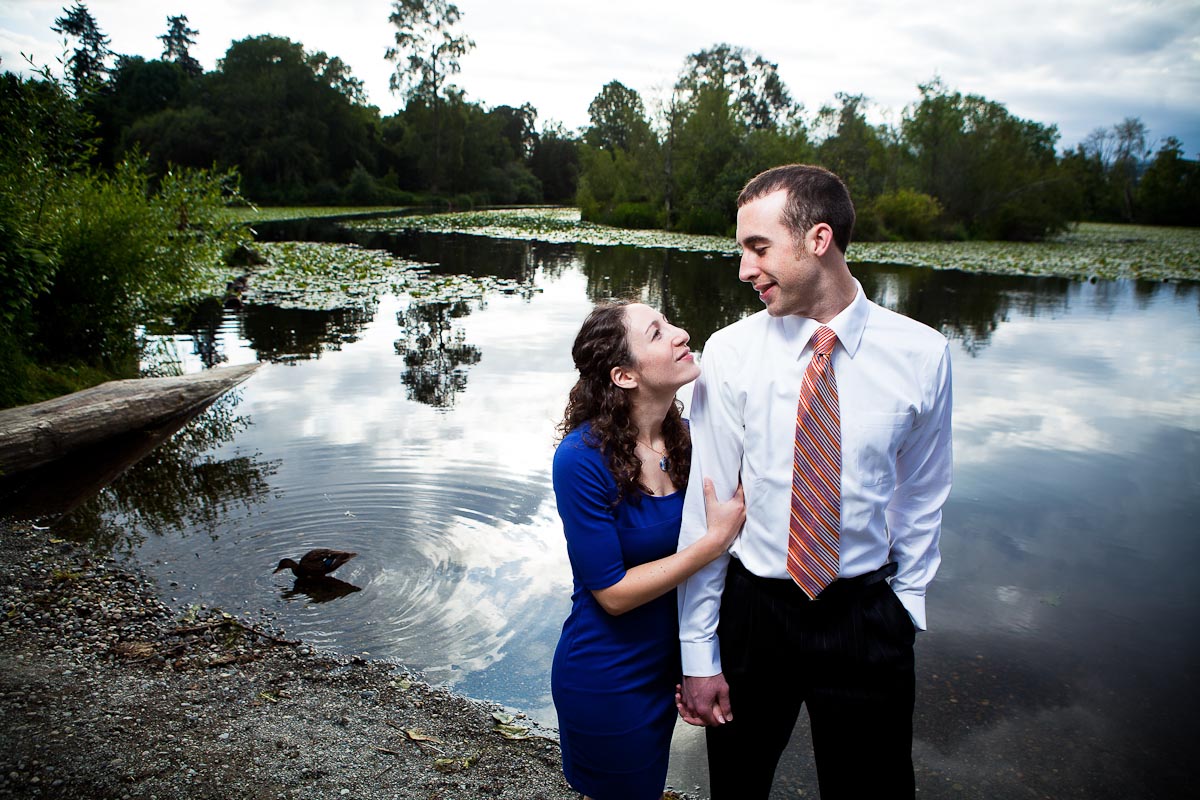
1062 655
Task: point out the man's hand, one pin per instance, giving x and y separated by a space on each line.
704 701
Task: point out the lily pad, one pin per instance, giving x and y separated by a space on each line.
1088 250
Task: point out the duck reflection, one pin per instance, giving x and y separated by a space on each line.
319 590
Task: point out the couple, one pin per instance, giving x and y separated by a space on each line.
826 421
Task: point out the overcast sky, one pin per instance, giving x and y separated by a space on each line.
1077 64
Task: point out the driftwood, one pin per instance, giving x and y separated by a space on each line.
43 432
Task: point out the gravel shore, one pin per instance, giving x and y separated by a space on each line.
106 692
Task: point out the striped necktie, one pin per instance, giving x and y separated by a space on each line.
817 473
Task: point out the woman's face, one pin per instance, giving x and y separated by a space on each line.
661 357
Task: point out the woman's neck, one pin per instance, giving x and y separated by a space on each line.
648 414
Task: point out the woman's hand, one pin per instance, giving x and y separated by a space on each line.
724 519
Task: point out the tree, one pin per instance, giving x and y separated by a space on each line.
426 54
288 119
86 67
855 150
555 162
1169 191
618 119
1130 140
757 93
176 41
620 182
995 175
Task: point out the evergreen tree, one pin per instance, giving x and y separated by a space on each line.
176 41
86 68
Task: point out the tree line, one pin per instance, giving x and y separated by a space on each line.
112 180
298 129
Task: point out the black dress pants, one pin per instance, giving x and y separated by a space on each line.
848 656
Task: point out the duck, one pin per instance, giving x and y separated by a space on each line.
316 563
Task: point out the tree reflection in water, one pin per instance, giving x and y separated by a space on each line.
435 351
182 486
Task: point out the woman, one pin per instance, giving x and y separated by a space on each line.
619 478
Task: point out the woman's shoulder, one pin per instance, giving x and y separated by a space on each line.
579 463
579 445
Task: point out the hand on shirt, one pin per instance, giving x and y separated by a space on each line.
724 520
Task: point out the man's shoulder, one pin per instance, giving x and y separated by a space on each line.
897 328
742 333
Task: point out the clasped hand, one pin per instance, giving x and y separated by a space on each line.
704 701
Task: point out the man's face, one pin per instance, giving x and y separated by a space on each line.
784 275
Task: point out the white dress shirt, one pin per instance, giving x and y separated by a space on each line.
893 379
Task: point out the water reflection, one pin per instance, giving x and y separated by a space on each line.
319 590
1062 646
435 351
181 486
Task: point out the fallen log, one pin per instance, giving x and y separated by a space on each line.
43 432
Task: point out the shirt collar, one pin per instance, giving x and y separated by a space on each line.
849 324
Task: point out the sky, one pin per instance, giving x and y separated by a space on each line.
1076 64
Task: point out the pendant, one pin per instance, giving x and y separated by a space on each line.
664 464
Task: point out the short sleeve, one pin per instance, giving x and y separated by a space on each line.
584 491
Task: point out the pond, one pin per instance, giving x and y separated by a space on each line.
408 414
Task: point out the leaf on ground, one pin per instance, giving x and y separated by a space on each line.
415 735
513 732
453 764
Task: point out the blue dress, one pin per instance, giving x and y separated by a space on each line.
613 678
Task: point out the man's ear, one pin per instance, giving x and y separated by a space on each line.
624 378
820 239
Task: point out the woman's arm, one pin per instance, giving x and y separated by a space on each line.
645 582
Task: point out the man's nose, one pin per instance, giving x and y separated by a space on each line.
746 269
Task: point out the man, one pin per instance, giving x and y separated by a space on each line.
834 413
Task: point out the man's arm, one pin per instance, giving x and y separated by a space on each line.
716 454
923 475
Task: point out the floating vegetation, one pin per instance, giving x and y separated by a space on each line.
323 277
553 225
251 214
1090 250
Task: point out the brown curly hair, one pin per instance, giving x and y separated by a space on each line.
603 343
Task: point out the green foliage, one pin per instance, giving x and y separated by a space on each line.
904 214
427 50
176 43
122 252
1169 190
85 255
993 173
86 66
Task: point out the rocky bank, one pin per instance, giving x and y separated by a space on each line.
105 692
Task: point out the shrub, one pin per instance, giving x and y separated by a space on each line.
908 215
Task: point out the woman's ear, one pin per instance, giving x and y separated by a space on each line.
624 378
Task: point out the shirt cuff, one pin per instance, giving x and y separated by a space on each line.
701 659
914 604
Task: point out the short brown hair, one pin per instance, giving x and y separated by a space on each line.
814 195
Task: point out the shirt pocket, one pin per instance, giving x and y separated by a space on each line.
878 437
